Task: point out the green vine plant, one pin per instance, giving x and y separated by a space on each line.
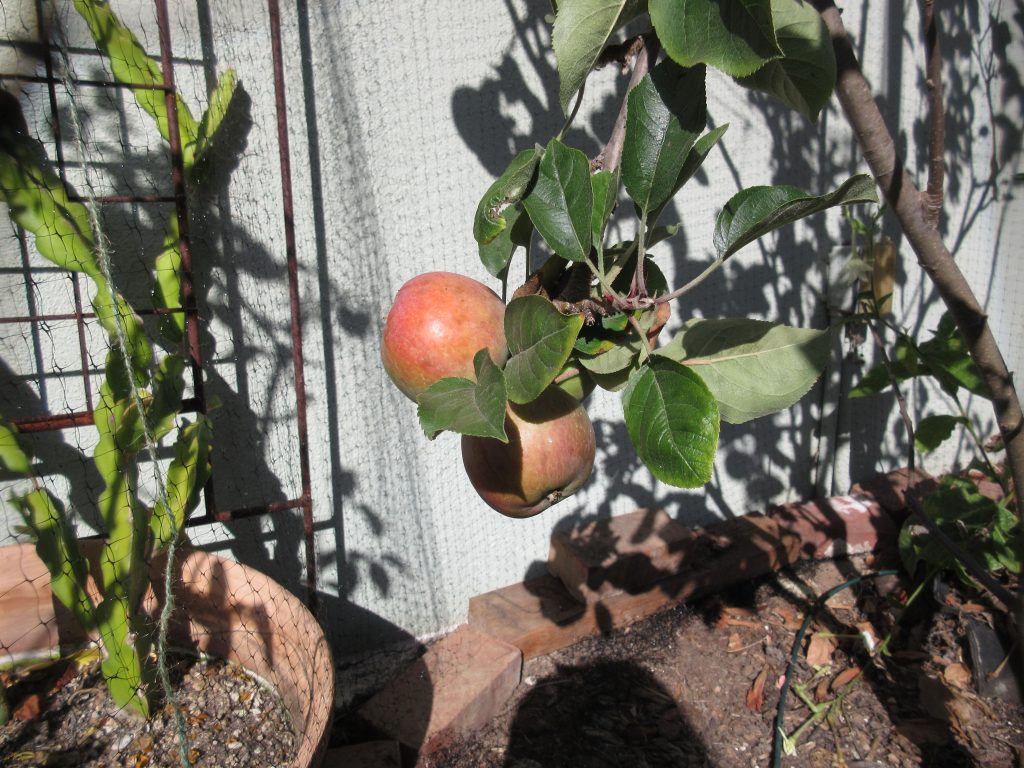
986 534
140 399
590 314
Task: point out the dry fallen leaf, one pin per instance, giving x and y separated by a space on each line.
735 643
729 621
819 650
957 675
844 678
821 691
29 708
791 620
755 696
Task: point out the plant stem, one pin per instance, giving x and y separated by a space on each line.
672 295
879 149
976 569
646 53
933 197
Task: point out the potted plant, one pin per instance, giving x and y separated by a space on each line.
116 591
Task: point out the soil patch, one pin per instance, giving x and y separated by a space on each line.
698 686
64 716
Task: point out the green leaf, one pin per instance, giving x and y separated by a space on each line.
948 359
752 367
932 431
209 123
874 381
13 457
756 211
667 112
540 339
560 203
735 36
621 355
57 548
694 160
581 31
130 65
606 191
464 406
673 421
804 78
186 476
509 188
167 284
496 254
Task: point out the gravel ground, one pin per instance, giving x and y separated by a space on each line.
63 716
698 686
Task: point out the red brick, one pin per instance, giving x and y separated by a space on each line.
371 754
890 489
627 553
457 686
838 526
539 616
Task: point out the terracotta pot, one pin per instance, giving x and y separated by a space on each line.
225 609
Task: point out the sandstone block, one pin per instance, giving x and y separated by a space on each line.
457 686
627 553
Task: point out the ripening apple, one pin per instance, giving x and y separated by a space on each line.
437 323
549 455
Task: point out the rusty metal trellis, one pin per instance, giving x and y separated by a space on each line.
197 403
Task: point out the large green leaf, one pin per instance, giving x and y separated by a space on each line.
803 79
507 189
735 36
464 406
694 160
934 430
752 367
540 339
673 421
667 112
612 356
756 211
947 358
581 31
561 201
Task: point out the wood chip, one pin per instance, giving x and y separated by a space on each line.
755 696
29 708
844 678
957 675
819 650
735 643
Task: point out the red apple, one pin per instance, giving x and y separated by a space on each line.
438 322
549 455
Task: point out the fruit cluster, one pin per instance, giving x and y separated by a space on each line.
438 323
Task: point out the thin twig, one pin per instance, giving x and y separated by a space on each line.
932 198
904 199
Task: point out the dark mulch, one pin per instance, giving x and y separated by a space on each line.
64 717
699 685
